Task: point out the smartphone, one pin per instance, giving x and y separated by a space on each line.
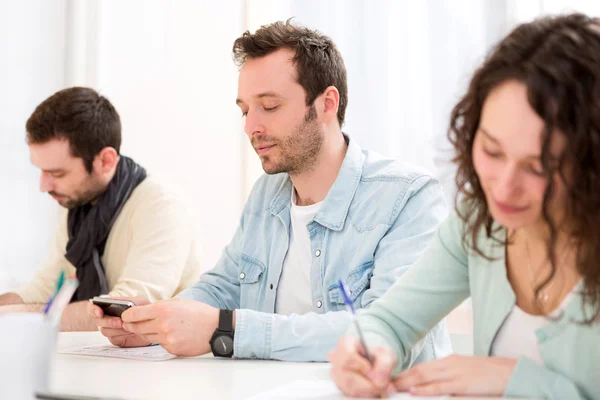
112 307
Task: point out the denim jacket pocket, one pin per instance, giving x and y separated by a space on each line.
356 282
251 272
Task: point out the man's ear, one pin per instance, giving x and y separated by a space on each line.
331 103
106 161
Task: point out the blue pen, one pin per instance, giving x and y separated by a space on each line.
59 283
61 300
349 303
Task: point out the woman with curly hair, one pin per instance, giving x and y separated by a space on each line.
523 241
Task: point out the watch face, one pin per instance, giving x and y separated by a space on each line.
223 345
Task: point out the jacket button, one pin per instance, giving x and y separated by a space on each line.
318 253
319 304
242 275
271 286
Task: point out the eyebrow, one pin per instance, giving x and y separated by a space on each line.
262 95
493 139
488 135
54 171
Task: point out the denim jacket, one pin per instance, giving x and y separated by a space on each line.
375 222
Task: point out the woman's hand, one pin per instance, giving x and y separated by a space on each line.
458 375
355 376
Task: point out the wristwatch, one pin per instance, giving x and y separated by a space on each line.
221 342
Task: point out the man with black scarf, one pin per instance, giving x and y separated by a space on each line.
122 233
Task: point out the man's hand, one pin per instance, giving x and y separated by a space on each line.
182 327
10 298
112 327
74 317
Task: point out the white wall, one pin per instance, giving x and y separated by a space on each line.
32 36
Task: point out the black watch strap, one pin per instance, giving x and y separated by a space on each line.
226 320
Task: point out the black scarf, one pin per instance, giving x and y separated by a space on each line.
89 225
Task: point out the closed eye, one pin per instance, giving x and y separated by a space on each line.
491 153
535 171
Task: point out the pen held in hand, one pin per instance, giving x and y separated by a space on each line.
350 305
361 337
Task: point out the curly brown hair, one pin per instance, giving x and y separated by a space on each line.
318 61
558 60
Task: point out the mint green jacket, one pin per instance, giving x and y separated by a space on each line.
446 275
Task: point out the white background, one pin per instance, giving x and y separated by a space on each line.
167 67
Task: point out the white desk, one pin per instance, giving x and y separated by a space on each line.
182 378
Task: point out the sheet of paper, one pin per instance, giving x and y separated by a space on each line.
408 396
321 390
318 389
149 353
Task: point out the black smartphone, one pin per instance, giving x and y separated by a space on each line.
112 307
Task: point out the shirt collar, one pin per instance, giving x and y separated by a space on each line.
335 207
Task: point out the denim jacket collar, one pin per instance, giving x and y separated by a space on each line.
335 207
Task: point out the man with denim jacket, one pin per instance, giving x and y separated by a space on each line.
325 210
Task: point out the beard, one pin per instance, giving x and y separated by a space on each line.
92 190
298 152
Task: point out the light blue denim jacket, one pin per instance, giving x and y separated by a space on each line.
375 222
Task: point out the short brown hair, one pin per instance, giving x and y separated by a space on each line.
80 115
317 59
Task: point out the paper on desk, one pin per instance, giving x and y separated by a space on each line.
148 353
321 390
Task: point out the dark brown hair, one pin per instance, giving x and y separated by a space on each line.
317 59
80 115
558 60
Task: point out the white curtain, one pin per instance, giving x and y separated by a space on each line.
407 64
32 52
523 11
166 65
167 68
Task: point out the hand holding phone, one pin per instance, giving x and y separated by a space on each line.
111 325
112 307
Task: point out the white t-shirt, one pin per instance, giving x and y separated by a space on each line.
516 338
294 293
